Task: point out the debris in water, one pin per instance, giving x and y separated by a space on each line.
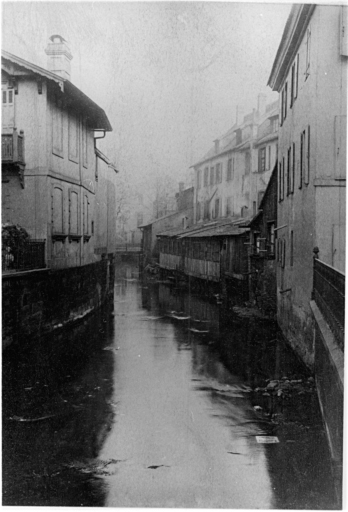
19 418
180 317
152 317
192 329
257 408
267 439
160 466
235 453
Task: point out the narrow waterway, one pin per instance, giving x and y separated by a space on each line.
166 402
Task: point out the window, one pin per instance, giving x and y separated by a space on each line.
212 176
306 174
291 249
57 128
57 211
84 143
302 157
283 254
229 169
73 213
206 176
296 75
218 173
275 124
271 238
7 111
284 104
269 157
288 181
292 90
73 138
217 208
308 52
279 249
229 206
198 212
86 214
262 160
206 210
198 179
283 178
292 181
280 192
294 81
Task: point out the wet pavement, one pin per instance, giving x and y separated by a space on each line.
166 402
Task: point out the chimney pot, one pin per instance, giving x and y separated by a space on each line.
58 56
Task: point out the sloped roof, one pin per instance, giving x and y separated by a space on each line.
227 142
295 27
222 227
96 115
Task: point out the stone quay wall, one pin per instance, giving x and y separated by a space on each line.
37 302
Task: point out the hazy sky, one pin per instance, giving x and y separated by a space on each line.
168 75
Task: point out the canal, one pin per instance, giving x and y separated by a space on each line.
167 401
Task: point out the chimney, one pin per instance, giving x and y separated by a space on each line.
261 104
239 114
217 145
58 57
181 186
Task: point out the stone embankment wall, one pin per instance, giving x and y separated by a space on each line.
37 302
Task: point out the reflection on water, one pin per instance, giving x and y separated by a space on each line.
68 380
155 405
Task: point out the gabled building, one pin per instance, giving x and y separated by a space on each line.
49 170
232 177
310 74
58 195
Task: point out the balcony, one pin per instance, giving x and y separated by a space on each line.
12 148
23 255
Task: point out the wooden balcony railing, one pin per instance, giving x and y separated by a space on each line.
329 294
12 147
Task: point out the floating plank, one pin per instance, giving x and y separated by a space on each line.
267 439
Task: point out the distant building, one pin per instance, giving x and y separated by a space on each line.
232 177
182 218
262 253
310 73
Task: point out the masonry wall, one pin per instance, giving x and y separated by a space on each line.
313 214
38 302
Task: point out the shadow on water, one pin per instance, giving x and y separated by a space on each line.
56 415
234 356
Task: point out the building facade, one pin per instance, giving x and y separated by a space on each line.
232 177
310 74
49 171
58 193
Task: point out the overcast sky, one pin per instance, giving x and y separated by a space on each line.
168 75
